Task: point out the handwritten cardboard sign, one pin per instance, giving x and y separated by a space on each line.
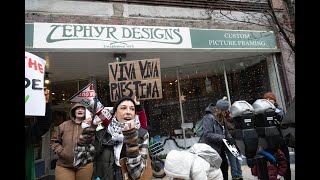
35 103
140 78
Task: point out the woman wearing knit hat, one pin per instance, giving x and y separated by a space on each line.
214 130
279 114
129 140
122 145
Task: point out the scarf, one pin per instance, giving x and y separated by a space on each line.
115 130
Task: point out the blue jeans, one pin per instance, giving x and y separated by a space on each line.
235 166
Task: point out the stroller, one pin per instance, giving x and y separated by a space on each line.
157 164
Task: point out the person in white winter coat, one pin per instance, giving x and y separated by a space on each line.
200 162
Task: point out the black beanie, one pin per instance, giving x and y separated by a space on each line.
123 98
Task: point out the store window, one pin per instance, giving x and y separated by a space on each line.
196 85
202 84
61 92
103 92
248 79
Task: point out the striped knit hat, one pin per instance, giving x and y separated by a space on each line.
223 104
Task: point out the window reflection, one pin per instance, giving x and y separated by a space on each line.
248 79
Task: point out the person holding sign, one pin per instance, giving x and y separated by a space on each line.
123 141
141 113
35 128
63 143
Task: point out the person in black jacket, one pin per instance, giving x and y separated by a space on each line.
214 130
35 128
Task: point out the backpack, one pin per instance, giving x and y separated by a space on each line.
199 126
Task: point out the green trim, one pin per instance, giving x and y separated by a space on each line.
232 39
28 39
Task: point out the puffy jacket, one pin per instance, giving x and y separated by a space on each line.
63 141
200 162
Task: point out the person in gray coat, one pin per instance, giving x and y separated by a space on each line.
214 130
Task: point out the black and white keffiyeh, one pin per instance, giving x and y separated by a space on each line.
115 130
83 155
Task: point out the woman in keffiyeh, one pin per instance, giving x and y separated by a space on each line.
123 137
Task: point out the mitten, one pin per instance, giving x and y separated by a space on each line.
87 136
131 141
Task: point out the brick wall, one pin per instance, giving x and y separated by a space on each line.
206 24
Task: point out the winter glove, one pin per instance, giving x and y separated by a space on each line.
87 136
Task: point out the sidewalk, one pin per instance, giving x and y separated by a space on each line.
246 172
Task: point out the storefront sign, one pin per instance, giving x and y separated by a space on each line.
35 103
141 78
232 39
99 36
56 35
